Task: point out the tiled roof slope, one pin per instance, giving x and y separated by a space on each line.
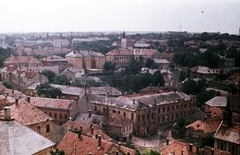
84 145
205 126
27 113
86 129
178 147
217 101
15 139
51 103
118 120
121 51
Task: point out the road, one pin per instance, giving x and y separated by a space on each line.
152 141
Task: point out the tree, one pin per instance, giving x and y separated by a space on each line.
49 74
57 152
135 66
158 79
207 140
205 95
109 66
48 91
7 84
61 79
190 87
149 63
150 151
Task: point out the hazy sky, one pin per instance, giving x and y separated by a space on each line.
128 15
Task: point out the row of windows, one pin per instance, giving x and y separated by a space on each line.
47 128
127 128
56 116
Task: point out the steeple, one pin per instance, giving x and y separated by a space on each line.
123 41
123 35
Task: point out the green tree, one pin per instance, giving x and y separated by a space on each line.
109 66
190 87
207 140
48 91
7 84
150 151
61 79
57 152
158 79
149 63
204 96
135 66
49 74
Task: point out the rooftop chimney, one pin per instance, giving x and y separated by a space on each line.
212 151
16 101
91 125
79 134
12 91
133 101
76 101
167 141
182 152
96 136
34 93
99 141
81 129
190 147
117 152
92 130
89 113
28 99
90 153
7 113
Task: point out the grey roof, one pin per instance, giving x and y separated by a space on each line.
229 134
16 139
71 90
141 102
33 86
82 53
84 118
73 69
42 68
105 90
217 101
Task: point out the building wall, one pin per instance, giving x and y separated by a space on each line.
42 128
59 116
75 61
148 121
227 146
167 56
45 151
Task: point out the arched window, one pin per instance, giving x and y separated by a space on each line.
124 114
138 118
132 116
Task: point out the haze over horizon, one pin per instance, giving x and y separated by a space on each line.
118 15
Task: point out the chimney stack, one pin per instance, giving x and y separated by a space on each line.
7 113
167 141
190 147
16 101
34 93
12 91
90 153
133 101
212 151
79 134
76 101
92 130
89 113
91 125
28 99
99 141
117 152
81 129
96 136
182 152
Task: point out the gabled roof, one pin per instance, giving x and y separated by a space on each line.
118 120
83 53
73 69
71 90
229 134
21 59
205 126
105 90
161 61
178 147
27 114
86 129
15 138
54 58
217 101
85 145
51 103
204 70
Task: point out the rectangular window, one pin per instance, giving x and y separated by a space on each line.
48 128
60 116
65 116
158 110
50 114
39 129
173 107
163 109
55 115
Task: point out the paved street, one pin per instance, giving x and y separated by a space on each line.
152 141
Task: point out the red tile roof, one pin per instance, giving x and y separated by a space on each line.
118 120
178 147
86 129
207 150
84 145
51 103
27 114
21 59
206 126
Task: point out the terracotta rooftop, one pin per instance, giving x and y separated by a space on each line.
205 126
16 138
118 120
21 59
84 145
51 103
86 129
27 113
178 147
71 90
207 150
83 53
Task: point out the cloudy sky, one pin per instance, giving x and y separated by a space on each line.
128 15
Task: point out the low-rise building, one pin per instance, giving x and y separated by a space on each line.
204 72
217 101
22 61
54 60
79 144
147 111
58 109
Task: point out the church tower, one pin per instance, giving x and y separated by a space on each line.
123 41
